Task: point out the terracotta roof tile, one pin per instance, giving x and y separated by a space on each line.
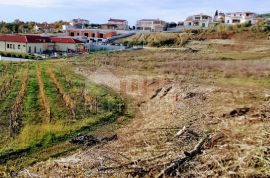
36 39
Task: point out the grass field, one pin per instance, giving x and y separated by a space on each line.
42 105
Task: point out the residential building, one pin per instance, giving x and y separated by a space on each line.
44 27
219 17
151 25
116 24
240 18
79 23
200 20
268 21
92 34
35 44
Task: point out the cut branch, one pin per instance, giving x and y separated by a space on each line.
188 156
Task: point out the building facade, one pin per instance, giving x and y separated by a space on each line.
151 25
79 21
44 27
219 17
200 20
240 18
116 24
34 44
92 34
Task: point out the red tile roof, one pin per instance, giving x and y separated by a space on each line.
63 40
36 39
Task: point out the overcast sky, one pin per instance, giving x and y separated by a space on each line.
98 11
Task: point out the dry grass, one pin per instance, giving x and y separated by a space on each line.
158 39
205 88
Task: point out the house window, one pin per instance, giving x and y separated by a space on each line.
236 21
78 34
86 34
72 34
7 45
228 21
13 46
35 49
29 50
19 46
189 24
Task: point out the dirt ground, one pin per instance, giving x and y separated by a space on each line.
222 91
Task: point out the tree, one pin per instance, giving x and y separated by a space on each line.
4 29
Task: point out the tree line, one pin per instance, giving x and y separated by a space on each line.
18 26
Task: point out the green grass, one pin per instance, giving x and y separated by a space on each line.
38 141
32 109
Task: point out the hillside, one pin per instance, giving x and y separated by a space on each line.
181 39
201 113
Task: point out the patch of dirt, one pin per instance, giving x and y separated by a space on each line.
173 115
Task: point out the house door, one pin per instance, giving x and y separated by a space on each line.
203 25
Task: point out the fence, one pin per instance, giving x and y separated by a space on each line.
100 47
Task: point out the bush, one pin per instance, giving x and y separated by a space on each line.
17 55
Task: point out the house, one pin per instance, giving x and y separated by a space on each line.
91 34
219 17
200 21
44 27
79 23
151 25
34 44
240 18
268 21
116 24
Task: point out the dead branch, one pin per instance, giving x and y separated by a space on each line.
156 93
188 156
181 132
136 162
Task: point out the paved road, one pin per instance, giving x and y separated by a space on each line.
14 59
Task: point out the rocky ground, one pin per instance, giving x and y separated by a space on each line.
179 99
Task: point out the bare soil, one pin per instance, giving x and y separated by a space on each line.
203 93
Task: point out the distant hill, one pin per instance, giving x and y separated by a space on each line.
265 15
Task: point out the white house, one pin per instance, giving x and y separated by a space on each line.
240 18
199 20
151 25
44 27
35 44
219 17
79 22
116 24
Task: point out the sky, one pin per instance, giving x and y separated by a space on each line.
99 11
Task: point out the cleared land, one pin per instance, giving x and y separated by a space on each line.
200 112
220 90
